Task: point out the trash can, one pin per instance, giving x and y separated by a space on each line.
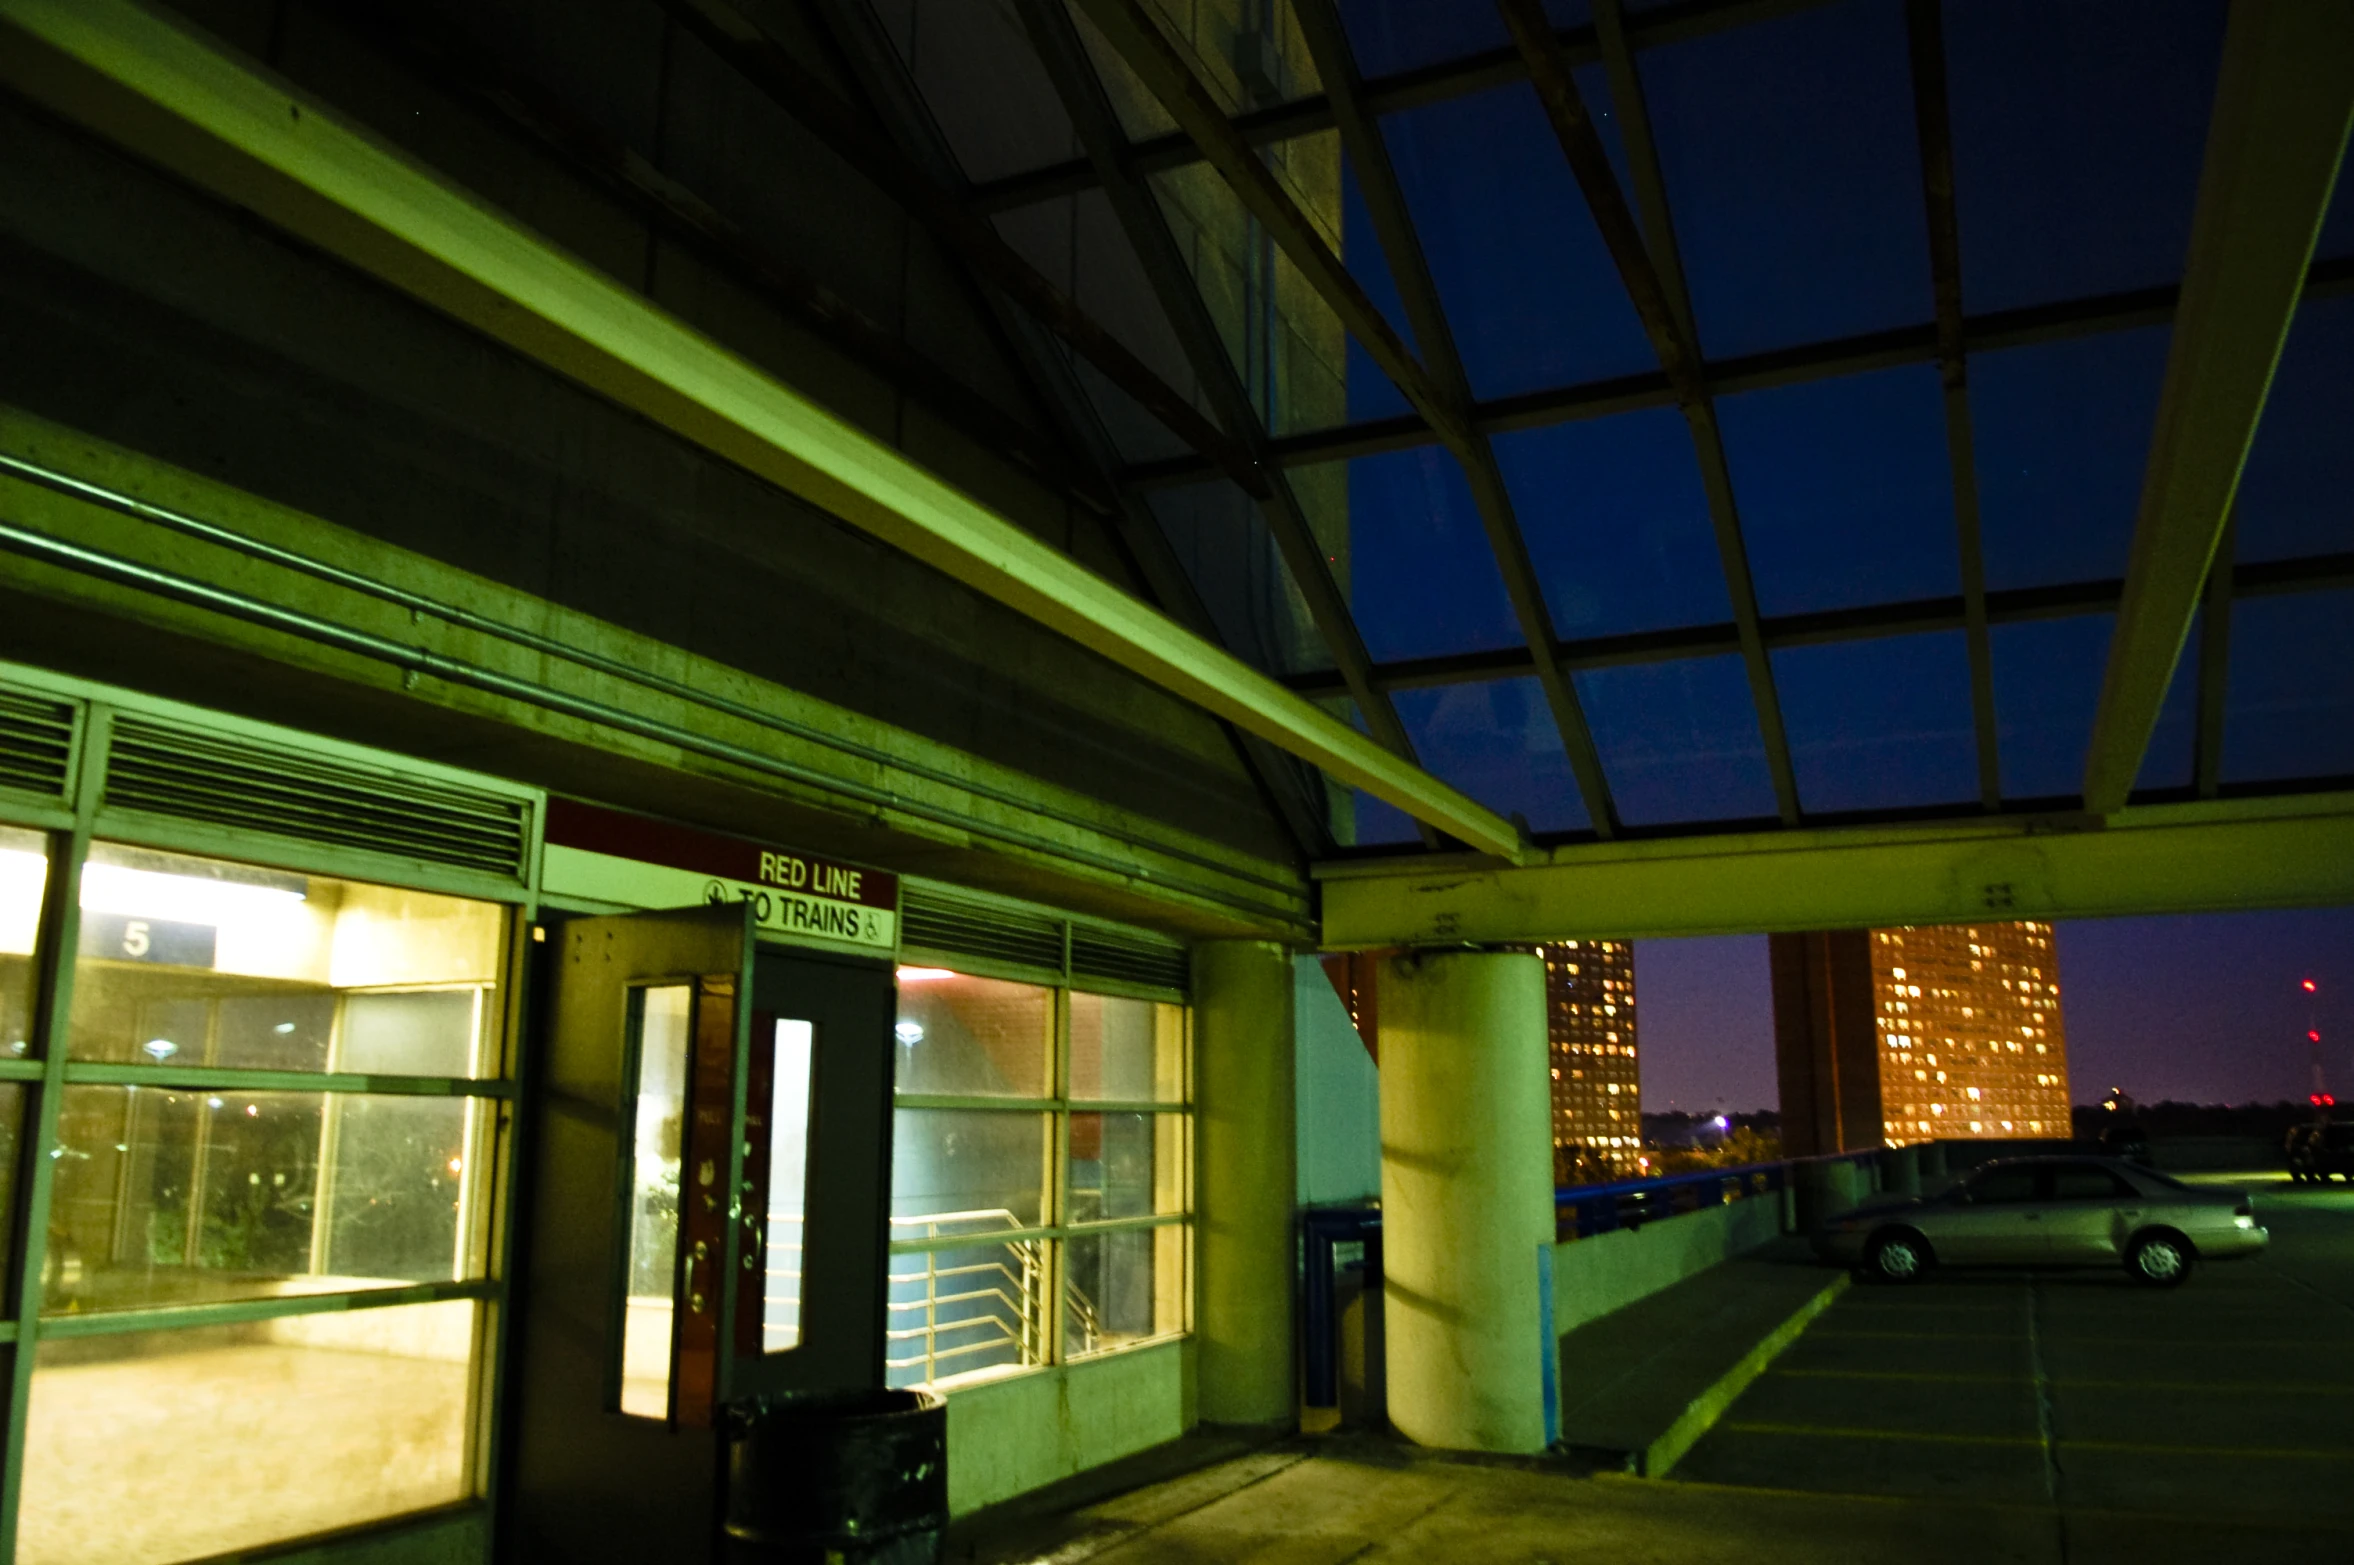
854 1477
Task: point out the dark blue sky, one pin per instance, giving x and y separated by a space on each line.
2203 1008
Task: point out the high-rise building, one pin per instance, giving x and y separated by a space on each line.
1970 1038
1597 1076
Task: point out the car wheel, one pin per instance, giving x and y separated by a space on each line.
2159 1260
1897 1258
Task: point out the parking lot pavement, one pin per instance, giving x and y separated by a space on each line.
2120 1409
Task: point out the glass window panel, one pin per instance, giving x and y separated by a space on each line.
24 871
1377 822
1422 579
2290 711
169 1195
1794 172
1617 523
1498 743
1221 538
1679 741
2061 432
1845 493
1880 725
958 1172
2076 160
974 1036
2174 741
1122 1288
2296 494
1529 289
1126 1165
2337 229
1388 36
1372 394
663 1021
2047 680
192 961
787 1174
969 1310
1127 1051
300 1425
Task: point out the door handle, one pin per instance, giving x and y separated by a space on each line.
701 1251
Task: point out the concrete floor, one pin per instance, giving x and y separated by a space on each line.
2057 1419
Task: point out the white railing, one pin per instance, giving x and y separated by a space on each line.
994 1306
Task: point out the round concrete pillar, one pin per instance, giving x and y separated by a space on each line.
1933 1165
1826 1187
1246 1186
1466 1198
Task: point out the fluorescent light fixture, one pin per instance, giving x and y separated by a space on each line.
925 975
180 899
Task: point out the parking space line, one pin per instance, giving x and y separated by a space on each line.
2338 1388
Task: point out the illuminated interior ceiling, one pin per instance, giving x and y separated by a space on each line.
1715 416
1659 419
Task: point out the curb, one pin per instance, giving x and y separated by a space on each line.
1701 1414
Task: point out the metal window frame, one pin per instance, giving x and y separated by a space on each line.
49 1071
1058 1106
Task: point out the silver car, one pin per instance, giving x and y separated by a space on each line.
2047 1211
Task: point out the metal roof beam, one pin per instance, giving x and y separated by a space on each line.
1794 366
1925 30
1410 89
2214 667
848 134
2189 857
1393 226
1644 252
178 100
2011 606
1064 55
2283 103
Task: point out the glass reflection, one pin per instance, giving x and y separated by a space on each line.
1125 1165
661 1020
24 871
788 1185
188 961
1122 1288
298 1426
169 1196
973 1037
1127 1051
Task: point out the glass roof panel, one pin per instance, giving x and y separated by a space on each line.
1845 493
2296 493
1616 523
2047 680
2061 431
1077 242
1283 340
1222 541
1379 824
1389 36
1528 287
985 86
1422 579
2174 741
2337 229
1372 394
1793 174
2290 712
1679 741
2078 134
1879 725
1498 743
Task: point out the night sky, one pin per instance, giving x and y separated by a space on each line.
2205 1009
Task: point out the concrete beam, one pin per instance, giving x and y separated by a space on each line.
2212 856
176 99
2282 107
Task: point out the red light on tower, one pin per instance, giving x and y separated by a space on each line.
2312 1037
2309 986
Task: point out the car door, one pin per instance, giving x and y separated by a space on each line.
1994 1217
2089 1211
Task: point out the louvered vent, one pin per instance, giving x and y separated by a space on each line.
36 740
955 927
230 782
1129 959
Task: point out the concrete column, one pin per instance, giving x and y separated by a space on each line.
1245 1186
1467 1198
1900 1171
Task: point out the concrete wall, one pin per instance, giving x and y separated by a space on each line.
1592 1277
1007 1437
1339 1096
